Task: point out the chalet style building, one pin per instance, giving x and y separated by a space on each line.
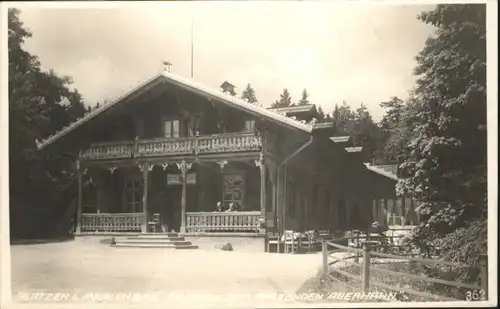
201 161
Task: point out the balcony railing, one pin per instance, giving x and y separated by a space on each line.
220 143
238 221
108 222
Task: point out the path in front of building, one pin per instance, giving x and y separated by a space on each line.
79 268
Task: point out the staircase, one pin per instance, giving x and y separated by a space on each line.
155 240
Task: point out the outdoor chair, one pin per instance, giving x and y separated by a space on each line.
290 239
324 235
311 239
273 239
154 225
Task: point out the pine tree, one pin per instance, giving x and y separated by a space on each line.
304 100
249 94
321 114
284 101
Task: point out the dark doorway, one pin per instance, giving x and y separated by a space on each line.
173 207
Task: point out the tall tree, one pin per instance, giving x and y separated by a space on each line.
304 100
393 110
39 104
321 114
249 94
397 130
284 101
446 167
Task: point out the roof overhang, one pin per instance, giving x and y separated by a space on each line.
296 109
340 139
188 85
380 171
353 149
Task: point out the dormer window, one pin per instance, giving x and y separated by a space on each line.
172 128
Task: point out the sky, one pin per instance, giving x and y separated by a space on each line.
338 51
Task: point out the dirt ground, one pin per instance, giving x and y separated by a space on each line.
83 267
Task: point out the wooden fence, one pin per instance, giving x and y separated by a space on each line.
337 259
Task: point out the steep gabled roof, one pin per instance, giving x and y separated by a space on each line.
189 85
389 171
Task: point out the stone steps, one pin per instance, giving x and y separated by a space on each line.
153 245
155 240
156 235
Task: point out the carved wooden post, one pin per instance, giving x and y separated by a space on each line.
183 166
80 194
262 167
145 169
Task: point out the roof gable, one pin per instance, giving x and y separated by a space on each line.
191 86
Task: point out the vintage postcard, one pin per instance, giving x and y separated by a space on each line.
244 154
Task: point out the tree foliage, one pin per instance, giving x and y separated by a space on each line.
304 100
359 125
39 103
397 129
446 161
321 114
284 101
249 94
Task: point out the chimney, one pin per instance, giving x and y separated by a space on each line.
167 66
228 88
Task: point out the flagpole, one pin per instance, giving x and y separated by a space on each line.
192 48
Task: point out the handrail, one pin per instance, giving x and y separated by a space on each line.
228 142
112 222
223 221
121 214
344 247
223 213
420 260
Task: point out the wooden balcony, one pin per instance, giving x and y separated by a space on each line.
238 221
112 222
211 144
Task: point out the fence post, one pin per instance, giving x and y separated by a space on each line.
483 266
324 250
365 275
356 260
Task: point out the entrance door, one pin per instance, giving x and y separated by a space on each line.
133 194
234 190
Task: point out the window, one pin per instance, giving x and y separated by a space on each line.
234 190
412 216
390 206
249 125
133 195
382 212
194 125
172 128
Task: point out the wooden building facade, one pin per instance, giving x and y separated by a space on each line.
176 148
